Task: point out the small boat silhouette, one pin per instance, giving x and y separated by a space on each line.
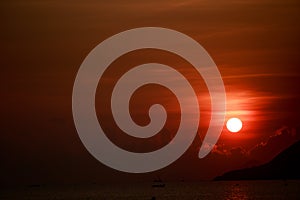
158 183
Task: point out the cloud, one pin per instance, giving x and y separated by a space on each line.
261 153
220 150
263 75
229 152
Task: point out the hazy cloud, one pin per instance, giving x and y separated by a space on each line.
263 152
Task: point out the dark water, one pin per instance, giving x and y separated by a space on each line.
176 190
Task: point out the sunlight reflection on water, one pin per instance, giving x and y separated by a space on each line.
236 191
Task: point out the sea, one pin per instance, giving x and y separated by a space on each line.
235 190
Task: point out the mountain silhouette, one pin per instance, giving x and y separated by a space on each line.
286 165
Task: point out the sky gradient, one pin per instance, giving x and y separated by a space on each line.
255 45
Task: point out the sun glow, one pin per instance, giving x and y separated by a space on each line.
234 125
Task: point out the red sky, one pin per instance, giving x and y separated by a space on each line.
255 45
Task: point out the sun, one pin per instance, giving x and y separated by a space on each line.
234 125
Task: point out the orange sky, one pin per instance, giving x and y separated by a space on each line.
254 44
